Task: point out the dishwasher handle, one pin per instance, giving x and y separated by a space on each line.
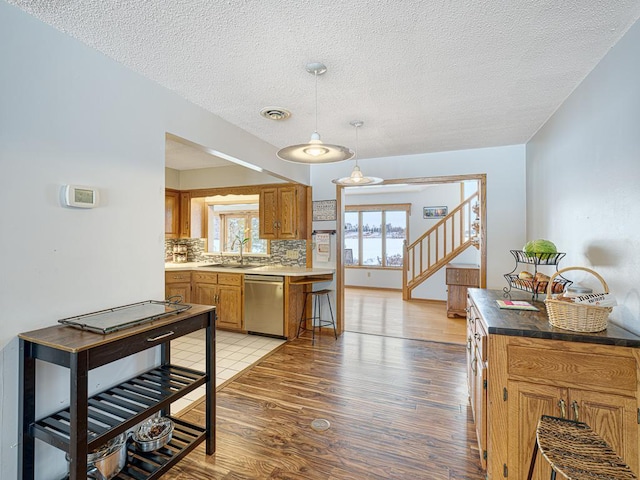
264 279
262 282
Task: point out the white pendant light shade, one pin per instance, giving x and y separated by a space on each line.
315 151
357 178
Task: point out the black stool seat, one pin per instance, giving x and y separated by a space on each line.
576 452
316 314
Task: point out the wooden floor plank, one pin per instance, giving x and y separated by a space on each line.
398 410
384 313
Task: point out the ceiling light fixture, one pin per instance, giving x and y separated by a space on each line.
315 151
356 178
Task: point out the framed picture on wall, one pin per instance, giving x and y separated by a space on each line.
324 210
434 212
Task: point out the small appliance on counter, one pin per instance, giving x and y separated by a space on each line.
179 253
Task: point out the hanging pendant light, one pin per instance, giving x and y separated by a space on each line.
315 151
356 178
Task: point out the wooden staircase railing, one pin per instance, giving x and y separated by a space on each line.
439 245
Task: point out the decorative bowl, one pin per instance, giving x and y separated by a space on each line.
153 434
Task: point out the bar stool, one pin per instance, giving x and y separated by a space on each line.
576 452
316 314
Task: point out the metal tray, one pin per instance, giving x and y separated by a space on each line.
118 318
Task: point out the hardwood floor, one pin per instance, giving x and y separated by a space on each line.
398 409
383 312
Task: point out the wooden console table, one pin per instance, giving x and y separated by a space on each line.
79 429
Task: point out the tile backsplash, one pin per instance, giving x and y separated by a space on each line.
280 253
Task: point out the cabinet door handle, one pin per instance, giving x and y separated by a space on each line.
574 405
469 343
474 365
563 408
160 337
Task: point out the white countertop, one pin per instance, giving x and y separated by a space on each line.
286 271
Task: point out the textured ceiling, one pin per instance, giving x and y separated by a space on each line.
424 76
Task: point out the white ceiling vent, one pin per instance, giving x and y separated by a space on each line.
275 113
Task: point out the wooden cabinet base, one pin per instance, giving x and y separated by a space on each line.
527 377
459 277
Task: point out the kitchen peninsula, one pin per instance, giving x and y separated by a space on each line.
223 285
520 367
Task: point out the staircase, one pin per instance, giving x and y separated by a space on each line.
439 245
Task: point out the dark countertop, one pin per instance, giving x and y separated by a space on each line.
522 323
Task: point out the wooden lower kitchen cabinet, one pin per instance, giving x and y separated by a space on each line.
533 369
477 378
225 291
178 284
460 277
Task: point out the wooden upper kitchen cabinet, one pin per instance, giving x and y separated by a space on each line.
533 369
459 277
171 213
225 291
283 212
178 284
185 215
177 214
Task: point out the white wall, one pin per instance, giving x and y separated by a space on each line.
583 169
505 170
71 115
231 176
172 178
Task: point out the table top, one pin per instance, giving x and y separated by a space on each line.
73 340
281 270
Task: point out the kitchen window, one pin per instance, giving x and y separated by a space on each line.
228 224
374 235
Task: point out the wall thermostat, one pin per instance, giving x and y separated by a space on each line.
80 196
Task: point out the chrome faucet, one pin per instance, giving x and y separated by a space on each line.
240 249
241 240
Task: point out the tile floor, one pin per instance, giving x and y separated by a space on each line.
235 352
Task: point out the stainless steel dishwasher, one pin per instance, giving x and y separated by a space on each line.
264 305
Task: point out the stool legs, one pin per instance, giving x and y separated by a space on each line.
316 315
333 322
533 460
533 463
302 324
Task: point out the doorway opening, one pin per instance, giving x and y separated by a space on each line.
345 274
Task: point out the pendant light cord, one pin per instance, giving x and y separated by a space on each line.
356 154
315 74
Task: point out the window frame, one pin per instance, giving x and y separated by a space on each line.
247 215
382 208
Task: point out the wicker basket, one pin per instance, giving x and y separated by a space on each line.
575 316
